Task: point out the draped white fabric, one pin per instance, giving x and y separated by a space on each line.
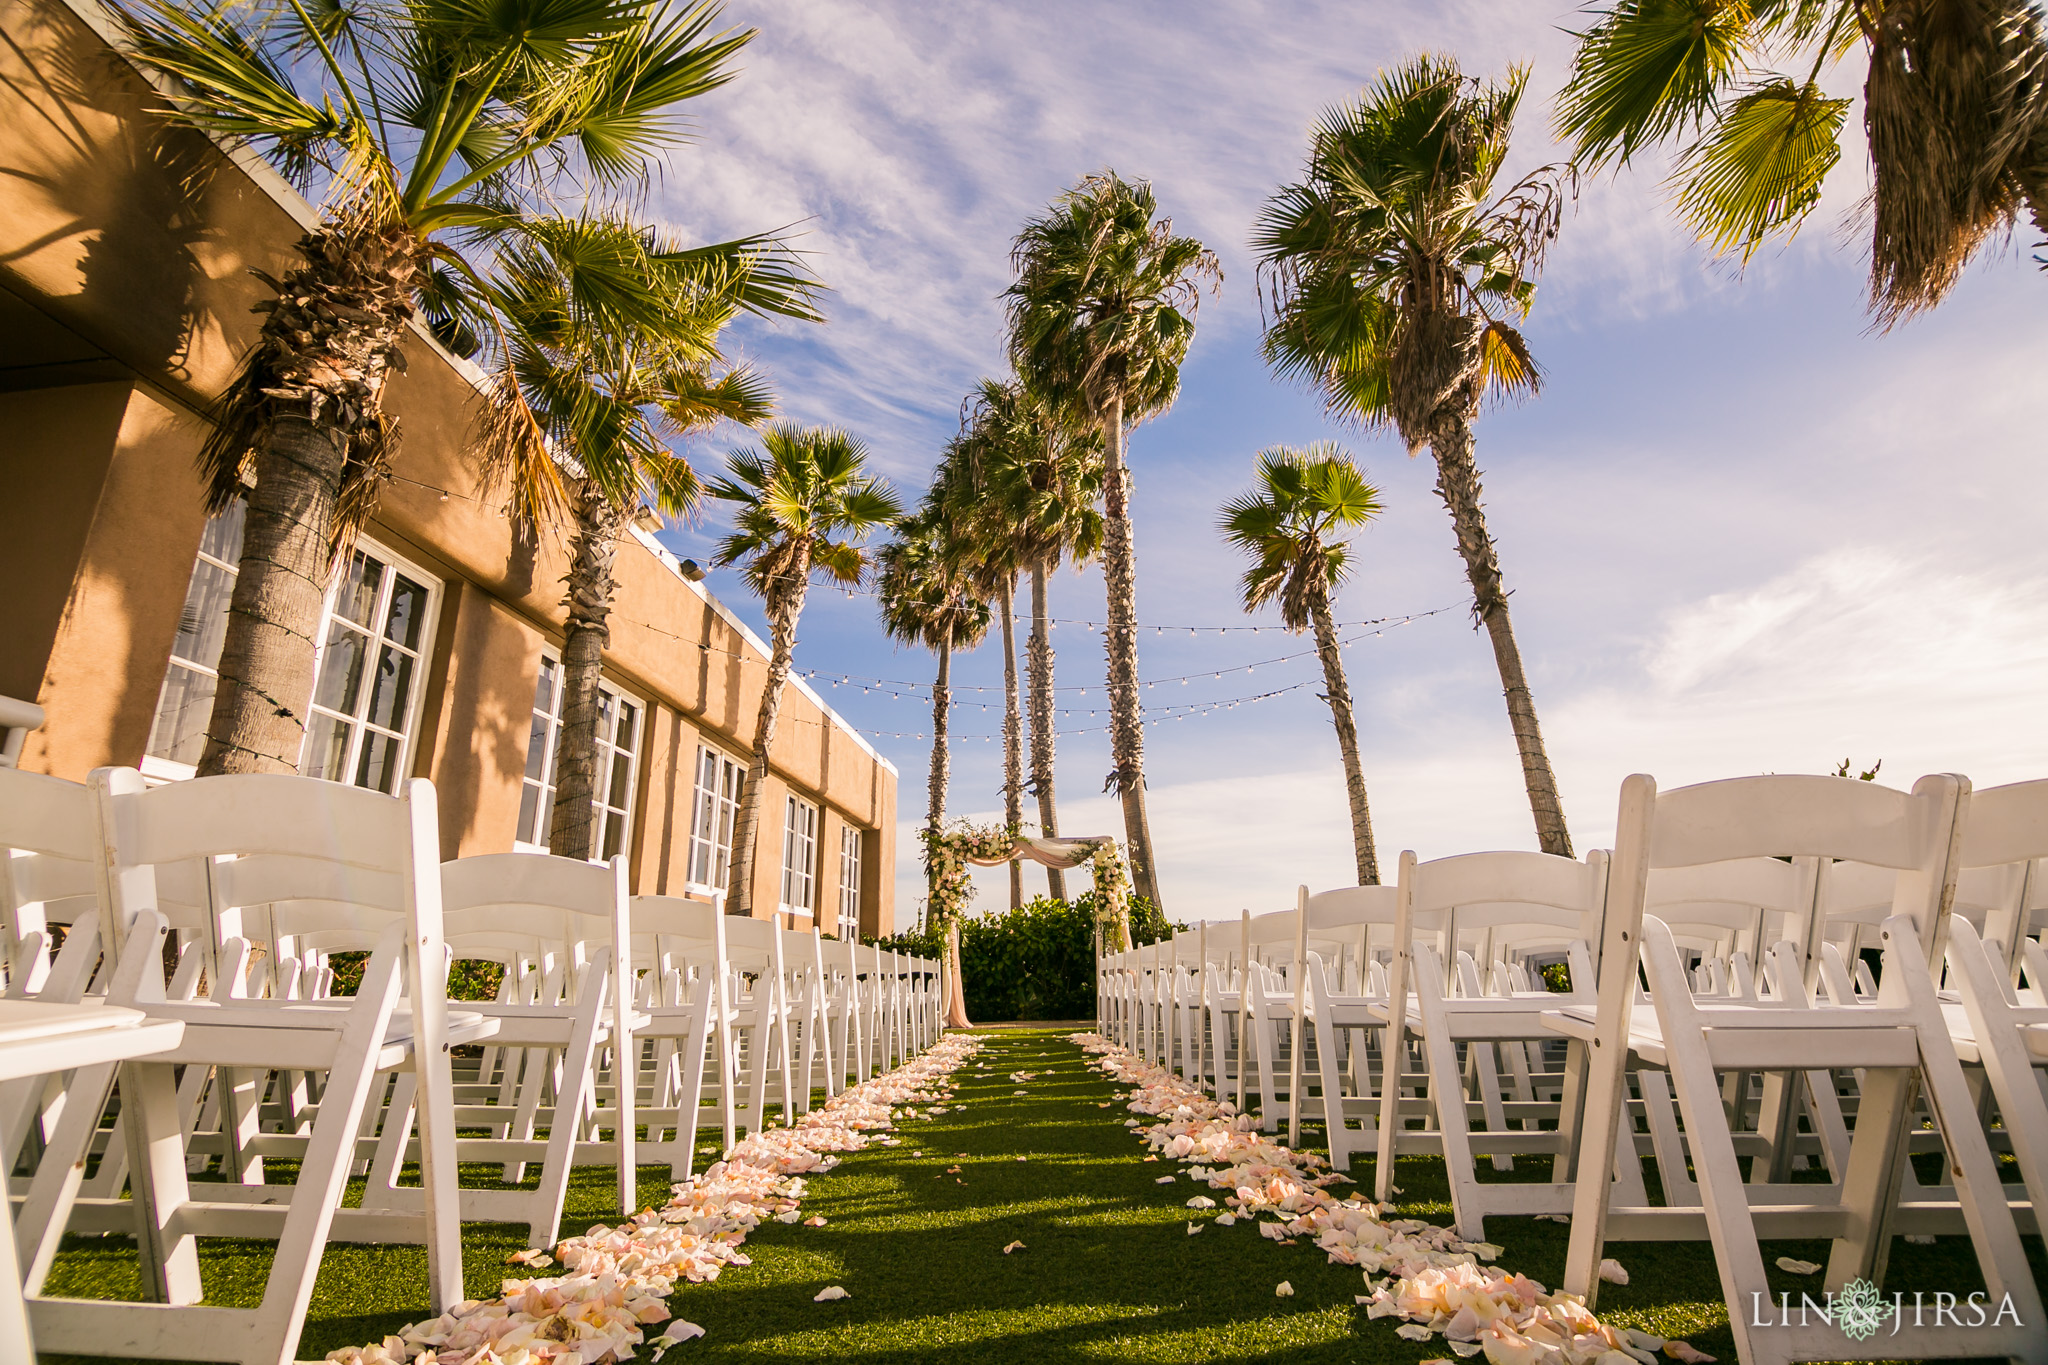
1061 852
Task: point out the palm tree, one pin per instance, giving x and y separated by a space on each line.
1285 524
435 127
1101 316
1393 277
960 489
805 502
612 397
1039 487
1955 116
926 584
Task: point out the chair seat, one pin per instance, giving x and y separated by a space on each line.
24 1020
1645 1036
326 1016
2035 1036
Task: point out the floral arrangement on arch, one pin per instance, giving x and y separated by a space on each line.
948 853
1112 894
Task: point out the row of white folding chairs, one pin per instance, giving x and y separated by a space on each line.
1807 901
271 1068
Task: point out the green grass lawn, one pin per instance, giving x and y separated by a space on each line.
1107 1271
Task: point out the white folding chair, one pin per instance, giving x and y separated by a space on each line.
1341 977
489 904
344 835
1477 895
1896 1040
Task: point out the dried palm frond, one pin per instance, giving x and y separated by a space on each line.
1954 100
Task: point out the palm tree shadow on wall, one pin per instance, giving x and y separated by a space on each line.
133 189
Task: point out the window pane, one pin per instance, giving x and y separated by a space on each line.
391 689
378 769
537 748
408 612
204 621
341 669
629 720
327 748
356 596
614 833
529 804
544 692
182 711
622 780
222 537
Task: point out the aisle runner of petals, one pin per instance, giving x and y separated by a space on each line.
1433 1279
619 1279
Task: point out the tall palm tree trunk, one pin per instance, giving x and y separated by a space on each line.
311 401
593 549
267 654
1457 483
1013 727
1038 662
1338 689
1127 725
942 707
935 819
782 617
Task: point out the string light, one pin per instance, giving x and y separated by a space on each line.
1389 623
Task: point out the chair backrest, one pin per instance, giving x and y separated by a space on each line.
1504 902
752 945
1742 905
342 847
2003 889
1857 830
493 901
1339 930
47 874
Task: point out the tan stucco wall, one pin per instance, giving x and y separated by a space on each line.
105 666
52 465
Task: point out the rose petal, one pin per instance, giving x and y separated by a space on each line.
1794 1267
1284 1290
1612 1273
829 1293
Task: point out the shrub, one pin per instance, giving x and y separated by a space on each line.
467 979
1034 962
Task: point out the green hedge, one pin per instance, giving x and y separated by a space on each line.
1034 962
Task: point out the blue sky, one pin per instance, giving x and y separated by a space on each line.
1743 533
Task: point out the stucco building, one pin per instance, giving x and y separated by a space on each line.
125 250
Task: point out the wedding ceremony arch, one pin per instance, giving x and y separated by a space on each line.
951 851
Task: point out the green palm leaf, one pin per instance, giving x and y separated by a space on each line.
1760 168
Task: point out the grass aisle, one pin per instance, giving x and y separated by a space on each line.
1107 1270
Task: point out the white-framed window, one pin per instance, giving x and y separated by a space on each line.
849 883
376 632
618 768
186 702
371 669
799 856
715 811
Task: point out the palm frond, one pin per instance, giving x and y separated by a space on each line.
1648 70
1759 170
1506 364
